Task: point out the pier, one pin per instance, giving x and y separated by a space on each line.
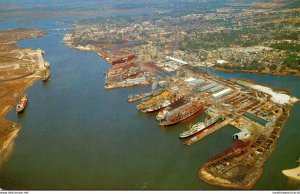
136 97
41 61
206 132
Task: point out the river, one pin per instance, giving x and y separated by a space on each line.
76 135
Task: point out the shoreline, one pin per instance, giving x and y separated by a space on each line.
242 165
273 92
13 131
285 73
18 81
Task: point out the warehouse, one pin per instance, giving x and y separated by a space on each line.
222 93
215 89
257 119
206 87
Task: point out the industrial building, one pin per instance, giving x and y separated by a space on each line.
216 88
206 87
258 120
164 73
241 135
222 93
177 60
137 80
195 82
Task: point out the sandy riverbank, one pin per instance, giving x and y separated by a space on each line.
278 98
19 69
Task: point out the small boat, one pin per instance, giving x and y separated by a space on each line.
293 173
46 75
47 66
22 104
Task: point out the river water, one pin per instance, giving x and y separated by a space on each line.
76 135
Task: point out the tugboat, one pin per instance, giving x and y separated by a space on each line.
22 104
46 72
293 173
46 75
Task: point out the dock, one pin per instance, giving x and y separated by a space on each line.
41 61
136 97
206 132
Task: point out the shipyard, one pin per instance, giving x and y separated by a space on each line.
182 93
173 56
150 95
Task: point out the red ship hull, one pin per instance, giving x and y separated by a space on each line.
123 60
185 119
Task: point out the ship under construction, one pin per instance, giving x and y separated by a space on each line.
182 114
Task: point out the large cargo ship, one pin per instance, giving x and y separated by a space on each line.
149 103
22 104
182 113
170 101
198 127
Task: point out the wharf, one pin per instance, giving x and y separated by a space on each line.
137 97
206 132
125 85
41 61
